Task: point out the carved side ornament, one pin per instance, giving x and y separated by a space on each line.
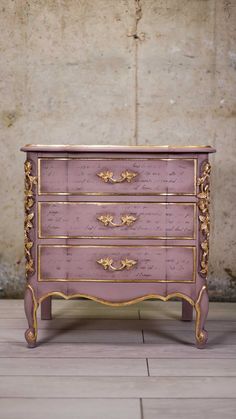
204 217
30 182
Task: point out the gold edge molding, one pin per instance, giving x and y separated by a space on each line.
118 158
40 236
196 305
195 175
193 280
117 245
120 281
30 182
40 193
204 216
114 304
115 203
115 146
114 194
119 237
39 176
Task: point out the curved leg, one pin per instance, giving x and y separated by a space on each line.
187 311
30 311
201 307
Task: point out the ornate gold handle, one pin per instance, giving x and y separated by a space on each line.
124 264
107 220
125 176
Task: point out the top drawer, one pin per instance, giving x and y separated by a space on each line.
114 176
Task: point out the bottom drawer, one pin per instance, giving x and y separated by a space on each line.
116 263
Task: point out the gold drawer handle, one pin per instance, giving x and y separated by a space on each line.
125 176
107 220
124 264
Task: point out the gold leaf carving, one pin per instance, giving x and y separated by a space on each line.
30 182
204 217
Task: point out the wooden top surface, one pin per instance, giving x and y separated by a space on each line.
74 148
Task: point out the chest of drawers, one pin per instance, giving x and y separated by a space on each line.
117 225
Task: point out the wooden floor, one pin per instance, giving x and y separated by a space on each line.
136 362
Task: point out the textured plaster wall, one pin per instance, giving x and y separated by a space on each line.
118 72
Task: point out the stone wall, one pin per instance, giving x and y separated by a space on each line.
118 72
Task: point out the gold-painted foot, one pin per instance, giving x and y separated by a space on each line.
201 339
30 337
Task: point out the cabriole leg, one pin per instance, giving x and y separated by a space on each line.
30 311
46 309
201 307
187 311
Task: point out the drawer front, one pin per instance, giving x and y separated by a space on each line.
117 220
80 176
116 263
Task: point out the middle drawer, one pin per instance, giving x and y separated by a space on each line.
139 220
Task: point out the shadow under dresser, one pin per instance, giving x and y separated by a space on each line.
118 225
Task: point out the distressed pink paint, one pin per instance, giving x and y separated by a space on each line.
74 219
153 263
78 176
72 239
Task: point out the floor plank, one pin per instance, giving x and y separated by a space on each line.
118 387
154 325
76 336
186 336
189 408
70 408
89 313
79 350
173 313
73 366
118 336
97 362
192 367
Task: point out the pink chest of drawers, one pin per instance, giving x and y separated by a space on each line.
117 225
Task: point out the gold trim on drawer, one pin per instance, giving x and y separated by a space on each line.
116 193
193 280
59 236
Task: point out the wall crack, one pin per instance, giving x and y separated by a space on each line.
137 37
138 16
